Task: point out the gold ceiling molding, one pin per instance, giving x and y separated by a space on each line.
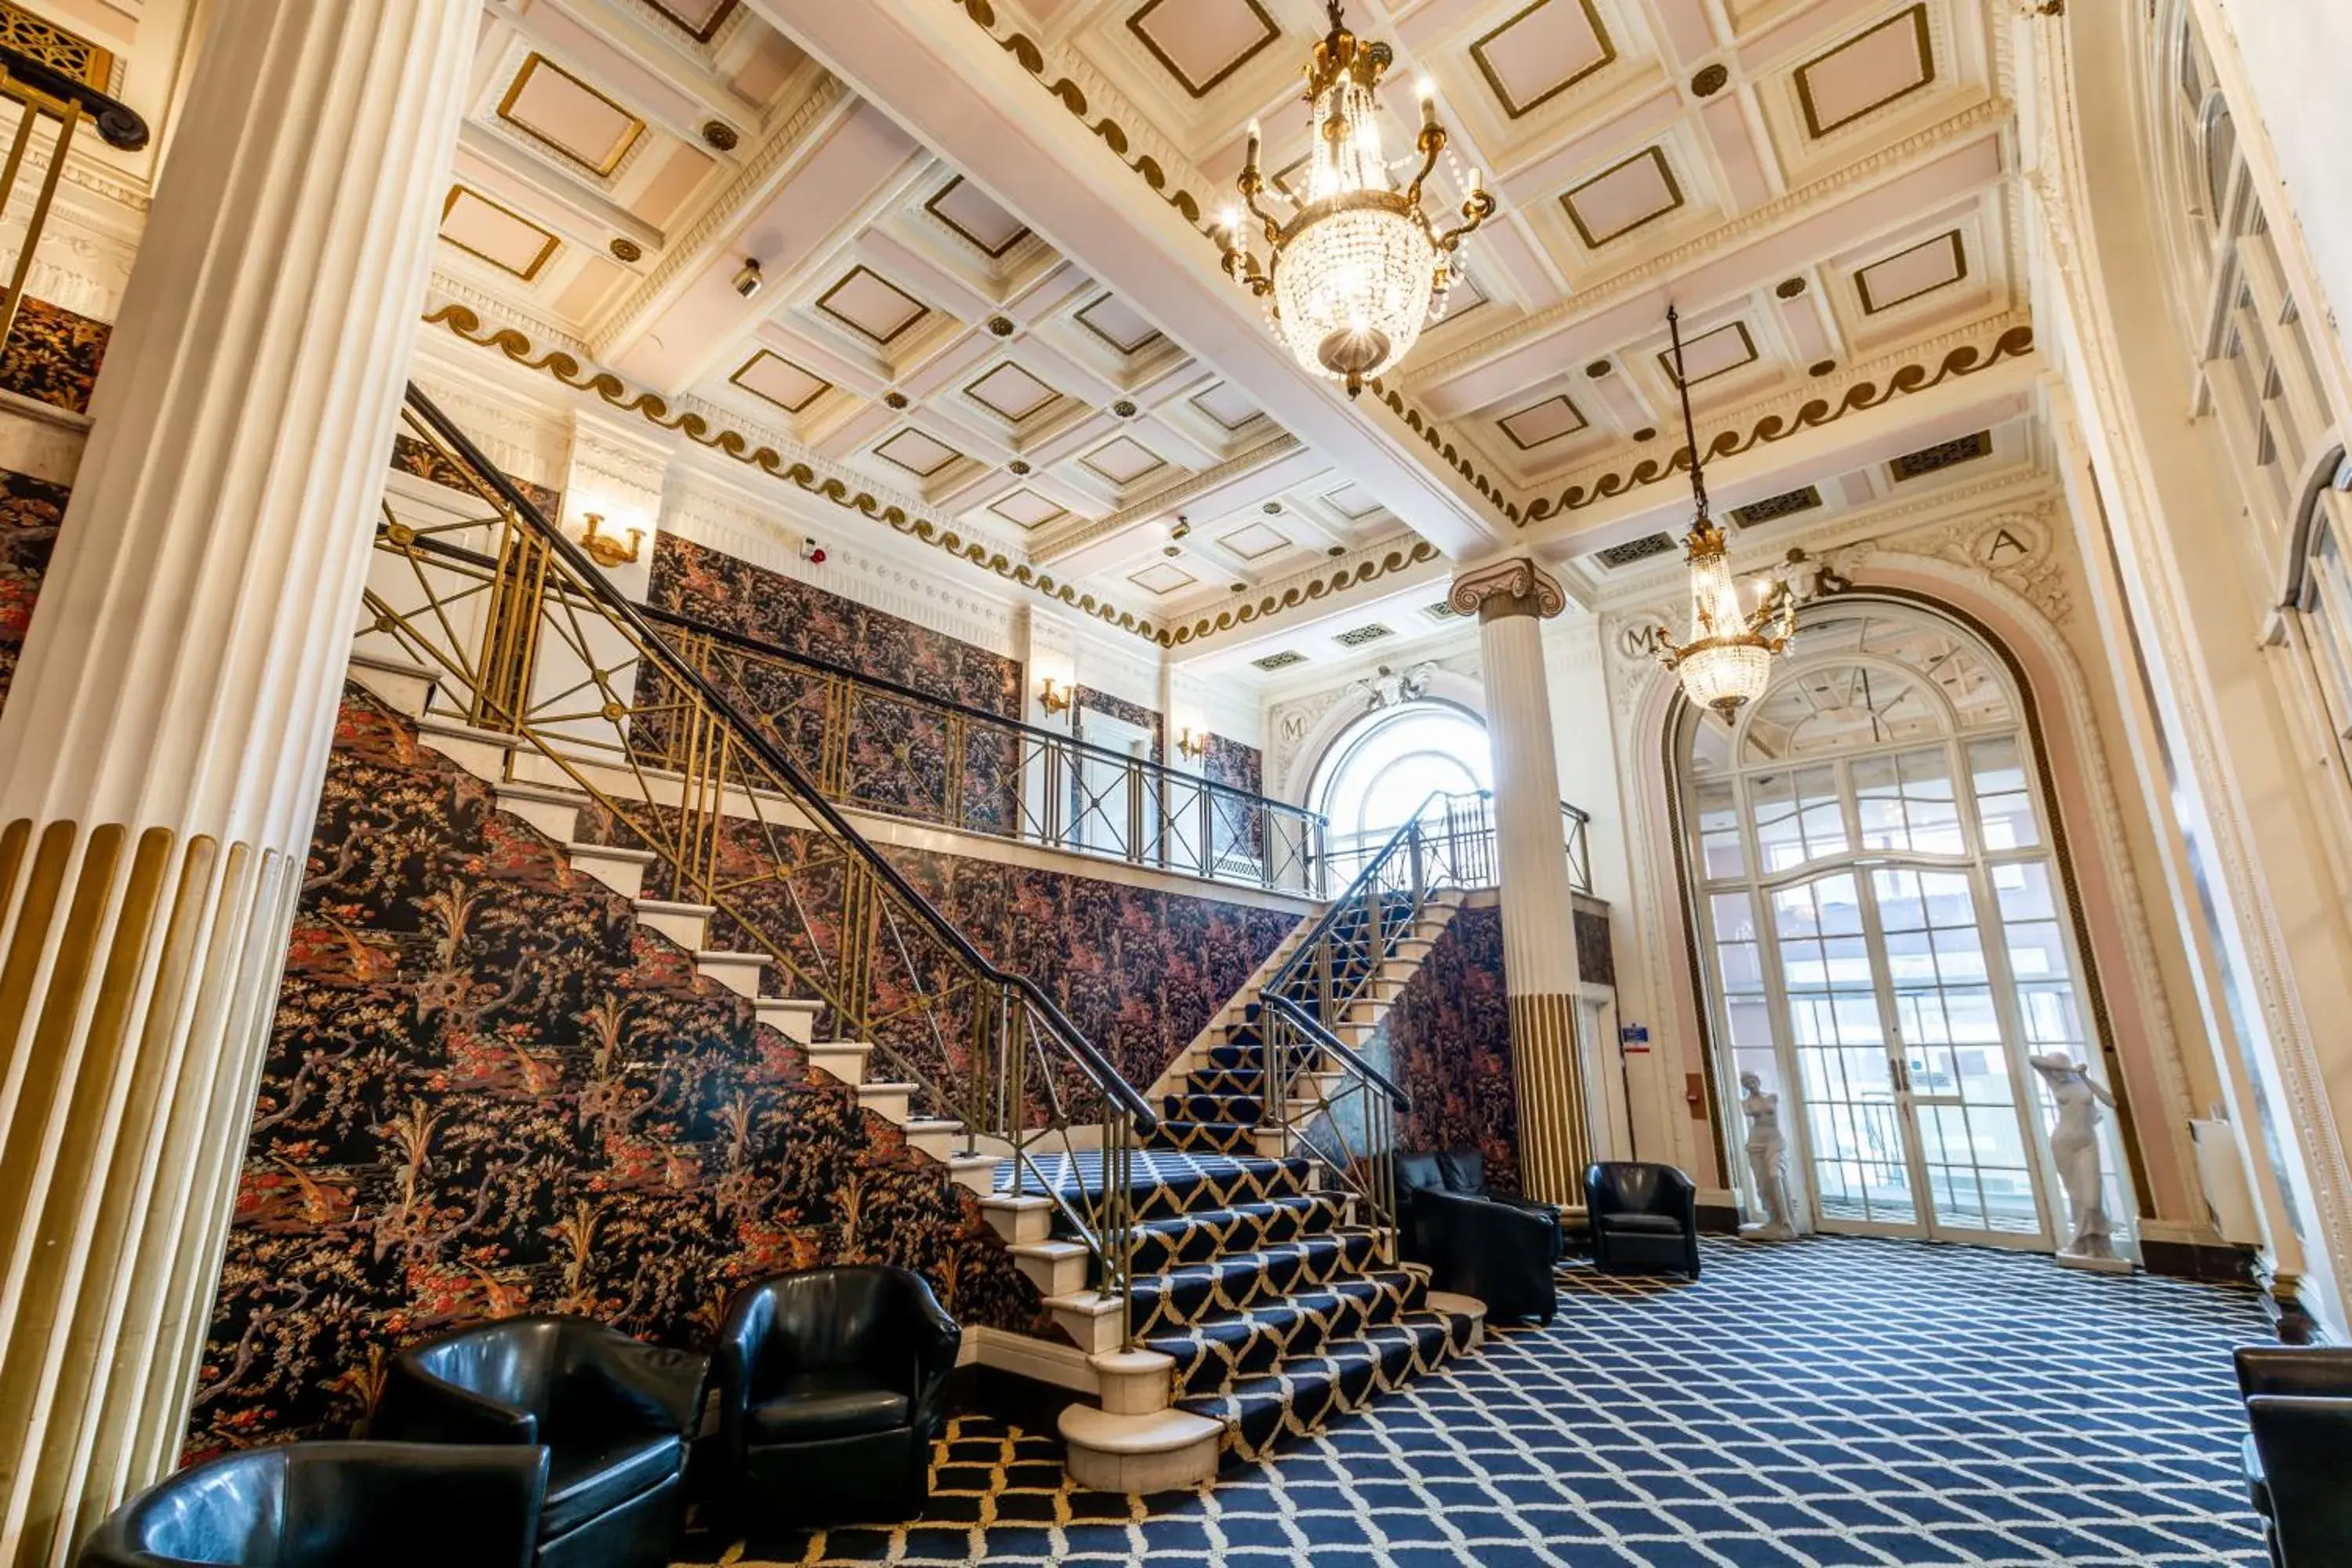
1918 376
1757 223
655 410
1322 586
1426 429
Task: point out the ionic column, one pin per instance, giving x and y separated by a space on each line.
163 745
1513 598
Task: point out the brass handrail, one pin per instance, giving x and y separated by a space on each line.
1054 801
1449 840
46 91
538 648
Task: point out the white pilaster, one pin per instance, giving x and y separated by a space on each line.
163 745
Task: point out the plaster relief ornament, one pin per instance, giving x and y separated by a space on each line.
2074 1149
1767 1160
1801 578
1391 688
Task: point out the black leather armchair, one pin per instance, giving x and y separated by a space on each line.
1644 1217
615 1414
832 1385
2299 1420
335 1505
1500 1249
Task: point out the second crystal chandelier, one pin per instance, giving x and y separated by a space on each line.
1350 280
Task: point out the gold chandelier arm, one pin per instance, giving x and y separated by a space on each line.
1430 145
1475 210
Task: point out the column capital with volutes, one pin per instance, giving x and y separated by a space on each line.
1516 585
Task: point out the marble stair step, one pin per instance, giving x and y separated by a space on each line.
1185 1238
1235 1282
1213 1355
622 870
1304 1394
1222 1109
1192 1183
1203 1137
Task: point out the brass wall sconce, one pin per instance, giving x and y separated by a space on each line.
1192 744
1052 697
606 549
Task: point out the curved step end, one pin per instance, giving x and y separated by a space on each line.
1166 1451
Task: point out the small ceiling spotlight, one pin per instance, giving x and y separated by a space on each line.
750 280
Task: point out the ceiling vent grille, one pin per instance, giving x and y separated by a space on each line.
1282 661
1942 455
1442 610
1634 550
1771 509
1362 634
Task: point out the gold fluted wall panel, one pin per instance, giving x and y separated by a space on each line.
1550 1077
136 972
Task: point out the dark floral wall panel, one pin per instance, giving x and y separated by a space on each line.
1138 971
490 1090
54 354
1449 1040
1596 956
1235 829
30 513
1087 699
717 589
429 463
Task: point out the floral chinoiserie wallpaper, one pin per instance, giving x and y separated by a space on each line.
53 355
865 747
30 513
1139 971
1449 1040
490 1090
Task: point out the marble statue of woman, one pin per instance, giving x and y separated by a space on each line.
2074 1148
1768 1156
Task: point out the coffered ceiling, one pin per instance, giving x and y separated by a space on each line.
989 297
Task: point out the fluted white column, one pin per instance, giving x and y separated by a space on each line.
163 744
1513 598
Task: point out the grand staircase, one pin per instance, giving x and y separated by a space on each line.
1225 1259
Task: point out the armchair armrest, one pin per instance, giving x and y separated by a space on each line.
1469 1215
2302 1440
660 1386
480 1506
2321 1371
937 1340
419 1407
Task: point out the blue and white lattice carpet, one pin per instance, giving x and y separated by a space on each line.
1814 1403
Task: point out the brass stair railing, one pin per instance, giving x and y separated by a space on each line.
1350 1108
538 651
998 776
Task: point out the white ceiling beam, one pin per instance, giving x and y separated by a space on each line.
955 88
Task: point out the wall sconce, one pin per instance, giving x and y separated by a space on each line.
1192 744
606 549
1052 697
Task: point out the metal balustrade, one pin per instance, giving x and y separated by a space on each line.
531 647
880 746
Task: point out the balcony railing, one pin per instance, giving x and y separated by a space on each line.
1459 829
878 746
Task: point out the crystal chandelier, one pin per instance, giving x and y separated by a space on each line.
1728 662
1350 280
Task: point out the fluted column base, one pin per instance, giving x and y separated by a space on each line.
138 973
1547 1074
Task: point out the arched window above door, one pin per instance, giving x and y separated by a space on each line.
1382 768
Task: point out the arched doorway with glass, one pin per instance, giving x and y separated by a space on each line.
1886 928
1381 769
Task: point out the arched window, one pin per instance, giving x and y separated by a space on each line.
1885 929
1381 770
